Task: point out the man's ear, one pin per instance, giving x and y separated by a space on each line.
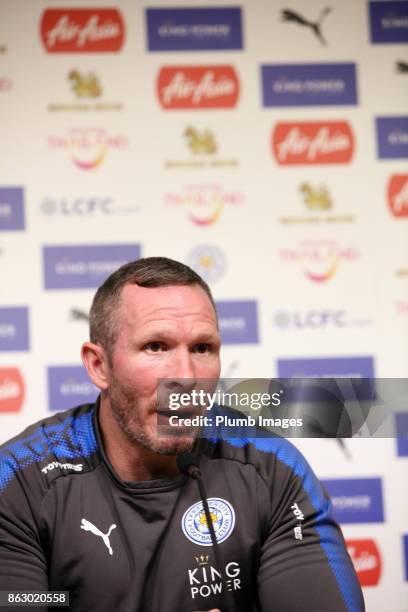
95 360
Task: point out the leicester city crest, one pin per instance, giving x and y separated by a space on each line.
194 521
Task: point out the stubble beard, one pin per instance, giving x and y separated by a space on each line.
125 405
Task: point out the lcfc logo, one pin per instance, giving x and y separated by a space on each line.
194 522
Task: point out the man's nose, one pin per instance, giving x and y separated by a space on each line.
182 372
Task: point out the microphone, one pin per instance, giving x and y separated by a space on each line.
186 463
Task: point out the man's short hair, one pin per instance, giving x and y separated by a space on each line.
146 272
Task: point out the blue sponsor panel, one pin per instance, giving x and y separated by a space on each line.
317 367
356 500
194 29
238 322
405 545
309 84
389 21
401 423
360 371
12 208
392 137
69 386
84 266
14 329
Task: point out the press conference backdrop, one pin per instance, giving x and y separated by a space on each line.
265 144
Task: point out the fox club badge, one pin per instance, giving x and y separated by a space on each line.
194 521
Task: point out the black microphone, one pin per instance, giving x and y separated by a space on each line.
186 463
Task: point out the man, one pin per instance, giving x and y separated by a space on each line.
92 501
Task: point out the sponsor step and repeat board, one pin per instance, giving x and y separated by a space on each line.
265 144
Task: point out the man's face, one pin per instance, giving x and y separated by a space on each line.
164 333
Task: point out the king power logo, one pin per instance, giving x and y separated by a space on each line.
195 87
194 29
397 195
82 30
328 142
205 580
14 328
388 21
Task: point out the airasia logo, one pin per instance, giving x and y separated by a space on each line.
366 560
95 30
329 142
5 84
197 87
398 195
11 390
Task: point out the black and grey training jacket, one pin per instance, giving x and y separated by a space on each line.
69 523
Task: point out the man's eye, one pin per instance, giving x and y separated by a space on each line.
202 347
155 347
